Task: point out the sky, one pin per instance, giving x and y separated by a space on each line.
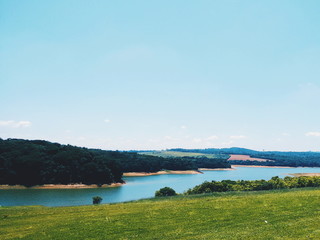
137 75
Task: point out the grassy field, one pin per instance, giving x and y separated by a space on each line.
285 214
181 154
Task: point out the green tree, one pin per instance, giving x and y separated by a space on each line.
96 200
164 192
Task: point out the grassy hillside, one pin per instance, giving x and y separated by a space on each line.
286 214
183 154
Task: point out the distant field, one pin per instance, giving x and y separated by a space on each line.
246 158
193 154
181 154
285 214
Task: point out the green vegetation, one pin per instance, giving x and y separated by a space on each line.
196 160
255 185
293 159
40 162
165 192
96 200
275 214
37 162
184 154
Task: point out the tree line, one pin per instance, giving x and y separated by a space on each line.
37 162
276 158
255 185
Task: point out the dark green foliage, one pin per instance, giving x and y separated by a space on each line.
255 185
222 151
293 159
203 162
40 162
147 163
133 162
165 192
97 200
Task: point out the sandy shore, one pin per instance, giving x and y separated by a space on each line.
141 174
60 186
215 169
304 174
257 166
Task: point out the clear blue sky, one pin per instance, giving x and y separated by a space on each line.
161 74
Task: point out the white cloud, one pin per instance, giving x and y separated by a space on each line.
107 120
197 140
313 134
15 124
183 127
238 137
212 138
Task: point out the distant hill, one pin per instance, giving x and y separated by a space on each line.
233 150
263 158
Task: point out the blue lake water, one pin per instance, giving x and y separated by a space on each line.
137 187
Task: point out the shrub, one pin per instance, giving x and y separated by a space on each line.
164 192
96 200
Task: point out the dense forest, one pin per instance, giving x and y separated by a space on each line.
36 162
292 159
255 185
41 162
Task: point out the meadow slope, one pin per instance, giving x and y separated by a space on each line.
280 214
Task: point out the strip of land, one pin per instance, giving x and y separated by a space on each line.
304 174
60 186
257 166
215 169
141 174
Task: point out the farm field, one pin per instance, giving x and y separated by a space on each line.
246 158
240 157
280 214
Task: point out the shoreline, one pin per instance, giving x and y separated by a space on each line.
216 169
304 174
60 186
258 166
142 174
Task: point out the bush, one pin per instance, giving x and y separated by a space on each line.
255 185
164 192
96 200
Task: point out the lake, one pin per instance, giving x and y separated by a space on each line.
137 187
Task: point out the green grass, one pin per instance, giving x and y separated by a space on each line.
284 214
179 154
